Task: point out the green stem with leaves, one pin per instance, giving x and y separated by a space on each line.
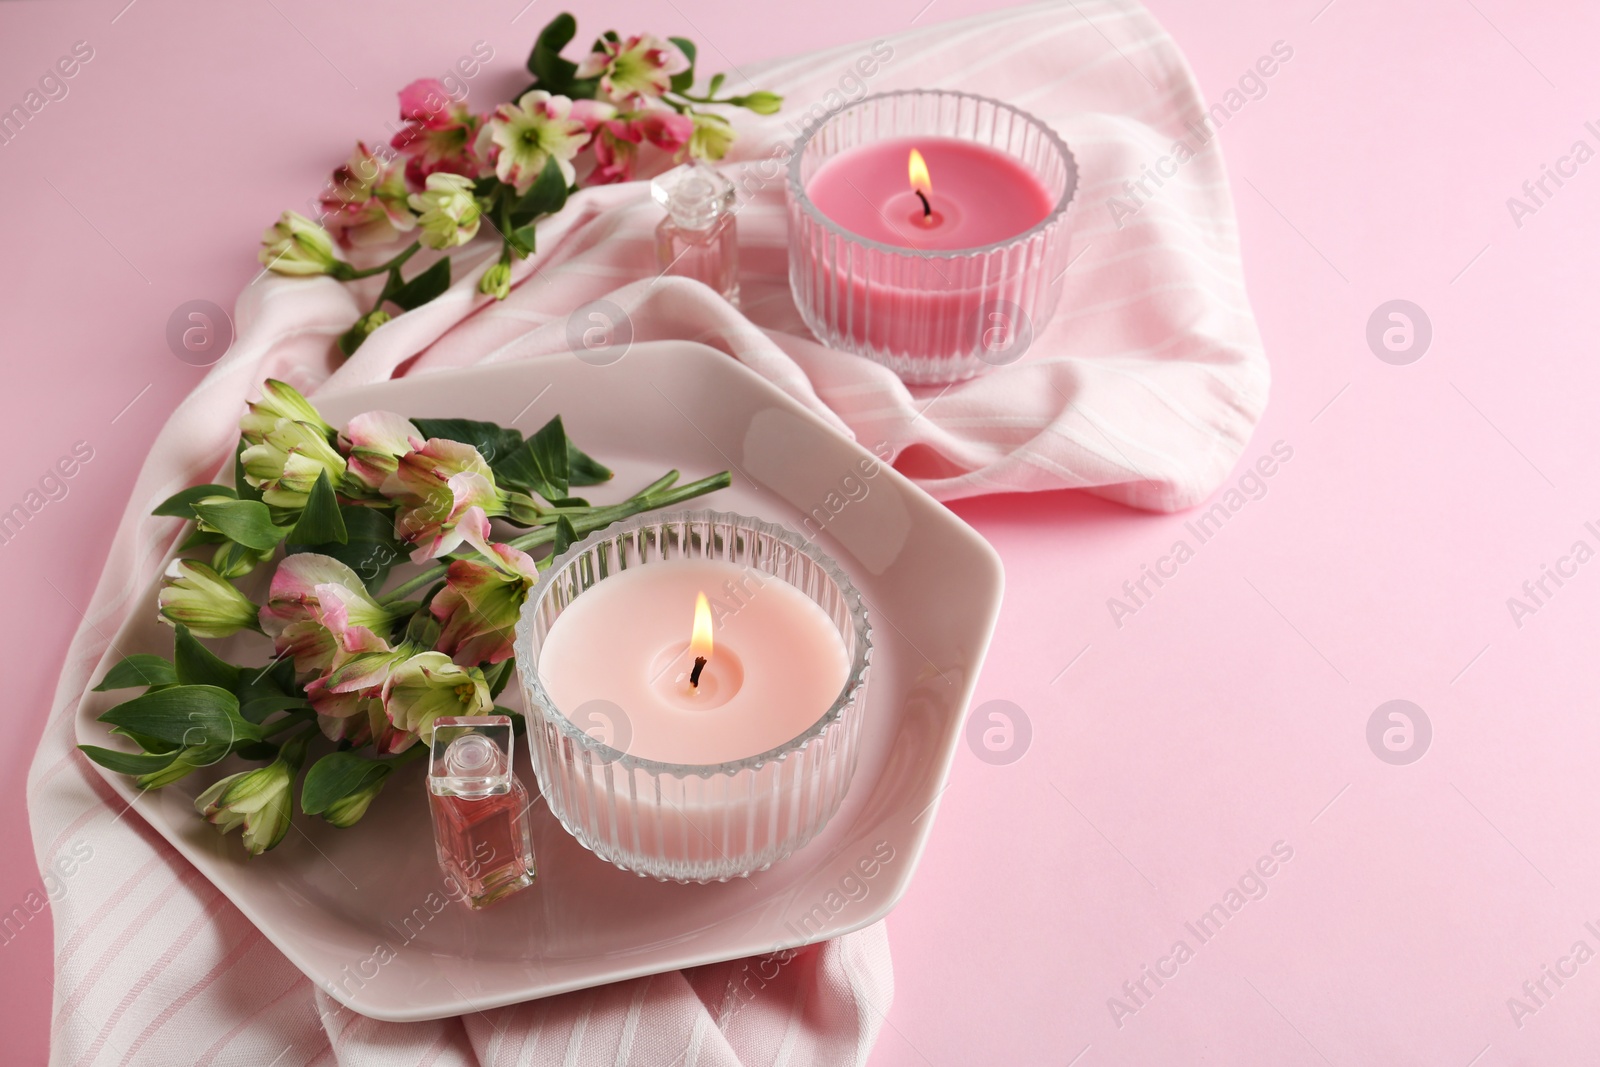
659 494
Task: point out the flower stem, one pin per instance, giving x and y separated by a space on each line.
657 495
396 262
291 719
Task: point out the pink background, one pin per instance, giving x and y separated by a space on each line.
1228 714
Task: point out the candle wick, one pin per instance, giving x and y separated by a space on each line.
694 675
927 208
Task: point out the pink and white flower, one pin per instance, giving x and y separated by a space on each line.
447 211
617 140
318 612
480 603
440 134
373 443
349 699
365 203
425 687
525 135
641 66
440 485
287 461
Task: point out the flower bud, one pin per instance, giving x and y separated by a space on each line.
496 281
296 245
279 400
201 599
761 102
712 137
348 810
258 800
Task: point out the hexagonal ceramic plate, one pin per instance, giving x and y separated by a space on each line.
363 913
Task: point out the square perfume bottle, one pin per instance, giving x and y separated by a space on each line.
699 238
481 827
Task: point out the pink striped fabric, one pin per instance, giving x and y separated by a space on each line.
1144 389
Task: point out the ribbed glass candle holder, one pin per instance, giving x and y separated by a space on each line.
689 822
930 316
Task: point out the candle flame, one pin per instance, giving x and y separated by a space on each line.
918 169
700 641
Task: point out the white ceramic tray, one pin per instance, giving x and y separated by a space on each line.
363 913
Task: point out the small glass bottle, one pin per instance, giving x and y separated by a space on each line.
699 238
480 809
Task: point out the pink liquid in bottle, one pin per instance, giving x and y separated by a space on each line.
481 827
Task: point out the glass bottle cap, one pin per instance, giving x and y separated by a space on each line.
471 756
695 195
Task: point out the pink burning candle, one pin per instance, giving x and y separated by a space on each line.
695 685
930 193
621 657
927 231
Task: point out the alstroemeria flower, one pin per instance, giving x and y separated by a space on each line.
204 601
318 611
712 137
439 485
285 464
373 443
480 602
427 686
616 142
640 66
296 245
365 203
537 128
349 699
439 135
258 800
279 400
447 211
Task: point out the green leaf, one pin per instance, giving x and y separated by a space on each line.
336 776
241 487
716 83
682 83
321 521
547 195
178 504
257 751
555 74
149 744
185 715
524 240
141 668
128 762
565 536
370 548
584 469
256 709
183 764
498 676
199 538
425 286
493 442
540 465
198 665
249 522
